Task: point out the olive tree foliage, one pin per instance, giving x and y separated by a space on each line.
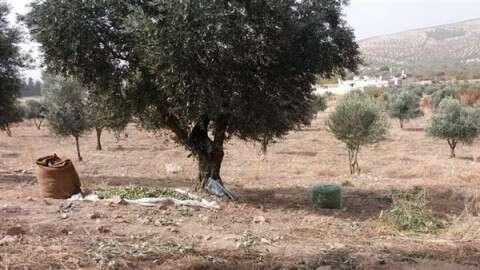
442 91
404 105
107 112
357 121
67 110
11 61
36 111
207 70
13 113
454 123
320 103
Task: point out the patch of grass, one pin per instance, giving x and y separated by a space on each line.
248 241
135 193
106 252
337 259
409 212
174 247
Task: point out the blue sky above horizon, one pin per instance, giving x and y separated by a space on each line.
367 17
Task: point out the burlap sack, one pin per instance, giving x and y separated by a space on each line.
57 178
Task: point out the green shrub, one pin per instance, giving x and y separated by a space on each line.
357 120
320 103
327 196
454 123
375 92
404 105
409 212
442 92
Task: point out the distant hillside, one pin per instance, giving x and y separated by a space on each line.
452 49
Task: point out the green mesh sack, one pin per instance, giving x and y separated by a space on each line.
327 196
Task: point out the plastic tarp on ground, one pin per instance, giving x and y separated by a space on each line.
195 201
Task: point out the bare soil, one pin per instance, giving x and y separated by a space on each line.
272 226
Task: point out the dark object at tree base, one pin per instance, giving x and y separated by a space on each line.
57 178
215 188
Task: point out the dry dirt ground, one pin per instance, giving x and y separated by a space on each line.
272 226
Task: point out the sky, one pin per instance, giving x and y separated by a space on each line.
367 17
376 17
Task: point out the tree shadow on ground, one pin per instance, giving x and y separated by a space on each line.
341 258
12 178
358 204
414 129
297 153
466 158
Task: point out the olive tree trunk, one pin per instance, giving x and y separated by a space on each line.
78 149
38 123
453 144
99 138
208 151
8 131
209 166
353 159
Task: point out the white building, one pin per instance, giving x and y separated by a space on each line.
357 83
345 86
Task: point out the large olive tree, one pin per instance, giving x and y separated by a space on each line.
11 61
208 70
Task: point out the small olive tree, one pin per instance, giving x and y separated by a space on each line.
107 112
35 111
67 114
454 123
358 120
404 105
320 103
11 113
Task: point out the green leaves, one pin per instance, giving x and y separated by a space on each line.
251 62
247 67
357 121
404 105
110 112
11 60
454 122
65 100
35 109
